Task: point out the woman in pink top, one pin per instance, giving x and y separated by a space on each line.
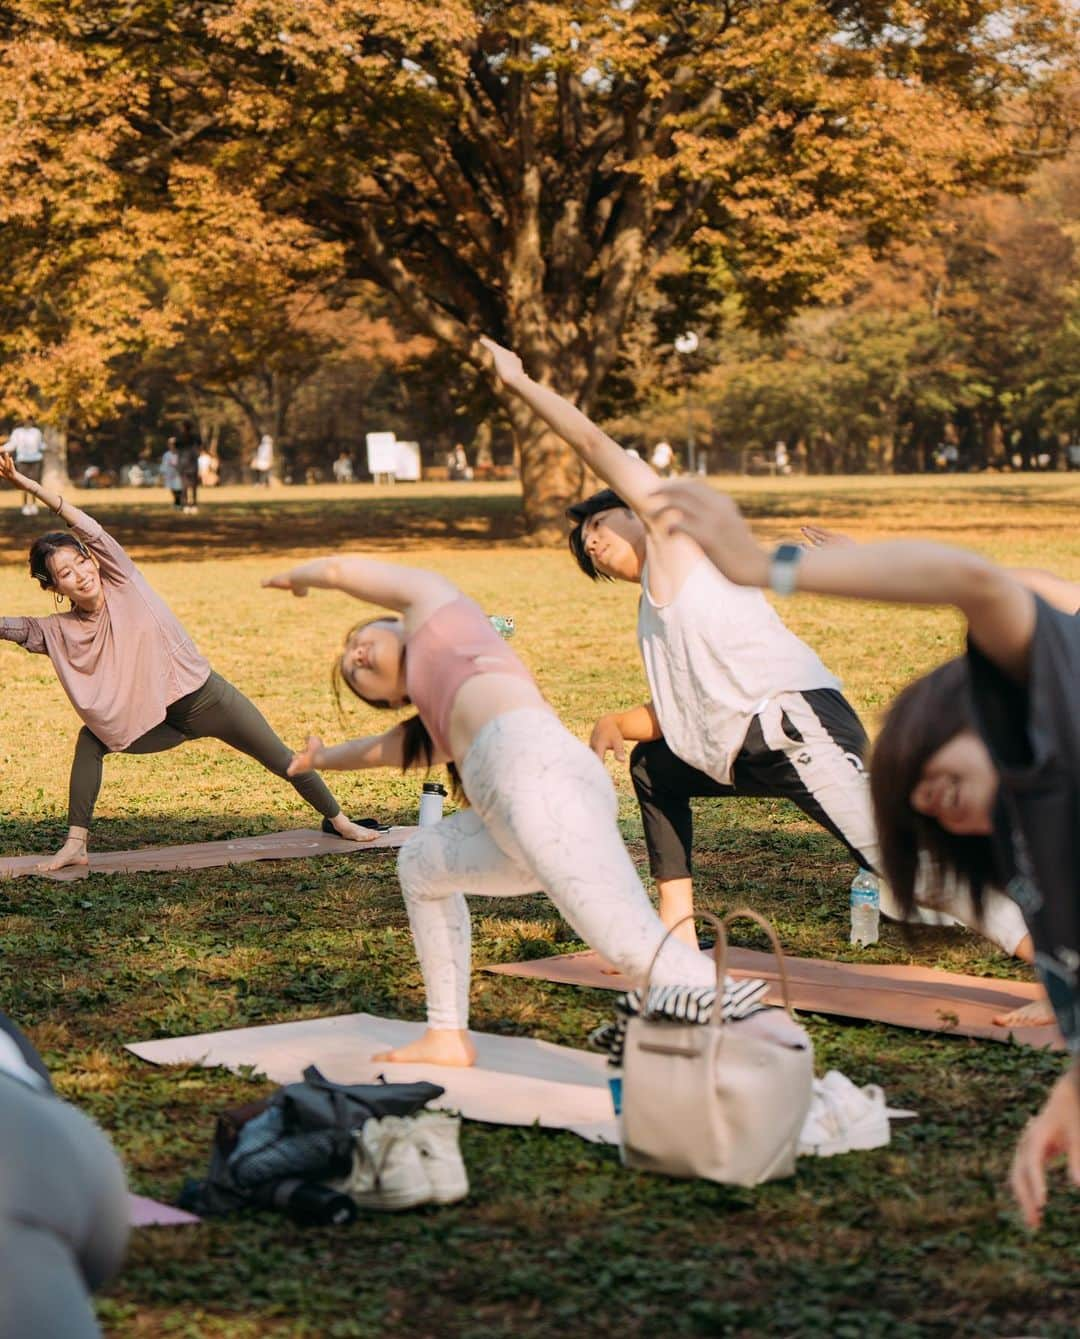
131 671
542 809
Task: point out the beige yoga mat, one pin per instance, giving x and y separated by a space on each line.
300 844
913 997
516 1080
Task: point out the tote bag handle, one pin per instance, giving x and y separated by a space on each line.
721 952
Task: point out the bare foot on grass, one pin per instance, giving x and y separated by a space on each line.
435 1047
71 853
1039 1013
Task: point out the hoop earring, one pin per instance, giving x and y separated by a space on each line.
58 601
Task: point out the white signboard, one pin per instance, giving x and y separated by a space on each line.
408 461
381 453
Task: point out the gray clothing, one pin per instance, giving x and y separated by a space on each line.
63 1213
216 710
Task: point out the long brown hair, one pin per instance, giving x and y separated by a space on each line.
417 746
923 719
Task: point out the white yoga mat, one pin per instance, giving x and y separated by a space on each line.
516 1080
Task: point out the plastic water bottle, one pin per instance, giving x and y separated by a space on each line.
865 908
432 798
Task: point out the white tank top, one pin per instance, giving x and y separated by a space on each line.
715 657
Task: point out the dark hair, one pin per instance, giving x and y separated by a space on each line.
580 512
417 746
915 847
44 547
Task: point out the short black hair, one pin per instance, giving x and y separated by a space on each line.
606 500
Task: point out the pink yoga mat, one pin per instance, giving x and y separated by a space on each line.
913 997
301 844
149 1213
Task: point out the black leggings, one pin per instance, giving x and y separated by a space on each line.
217 710
818 766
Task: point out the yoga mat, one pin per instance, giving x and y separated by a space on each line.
149 1213
516 1080
913 997
300 844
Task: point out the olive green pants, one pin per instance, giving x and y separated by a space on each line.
217 710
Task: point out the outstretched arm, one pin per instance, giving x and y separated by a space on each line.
1055 590
631 478
9 474
999 610
354 755
411 590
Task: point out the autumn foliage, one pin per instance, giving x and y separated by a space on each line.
176 172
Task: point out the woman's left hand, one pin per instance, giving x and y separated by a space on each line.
286 581
715 523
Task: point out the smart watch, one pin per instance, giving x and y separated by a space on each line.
784 568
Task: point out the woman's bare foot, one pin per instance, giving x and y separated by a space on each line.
1039 1013
352 832
437 1046
73 852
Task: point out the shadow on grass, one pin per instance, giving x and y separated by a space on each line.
250 528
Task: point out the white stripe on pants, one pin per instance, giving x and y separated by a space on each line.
542 819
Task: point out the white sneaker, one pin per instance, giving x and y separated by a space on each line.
388 1172
436 1134
843 1118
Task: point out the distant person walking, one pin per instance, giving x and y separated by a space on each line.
663 459
262 462
343 469
188 446
170 473
27 445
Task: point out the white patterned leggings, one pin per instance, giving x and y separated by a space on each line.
542 819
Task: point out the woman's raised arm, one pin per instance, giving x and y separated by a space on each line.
55 503
631 478
410 590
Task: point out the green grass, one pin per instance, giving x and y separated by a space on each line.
556 1239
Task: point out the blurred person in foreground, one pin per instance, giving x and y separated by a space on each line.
977 766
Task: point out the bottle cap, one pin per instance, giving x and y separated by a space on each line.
433 788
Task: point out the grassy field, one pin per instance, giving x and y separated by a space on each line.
556 1239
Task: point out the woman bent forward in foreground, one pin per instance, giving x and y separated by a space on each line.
542 808
977 766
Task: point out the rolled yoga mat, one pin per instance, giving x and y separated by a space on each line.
921 998
300 844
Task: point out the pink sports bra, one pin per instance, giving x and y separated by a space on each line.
456 643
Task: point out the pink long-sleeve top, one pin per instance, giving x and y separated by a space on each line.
125 664
454 644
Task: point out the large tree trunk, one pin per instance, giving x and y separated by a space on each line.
552 476
55 472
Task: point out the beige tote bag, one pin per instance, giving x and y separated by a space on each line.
701 1100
